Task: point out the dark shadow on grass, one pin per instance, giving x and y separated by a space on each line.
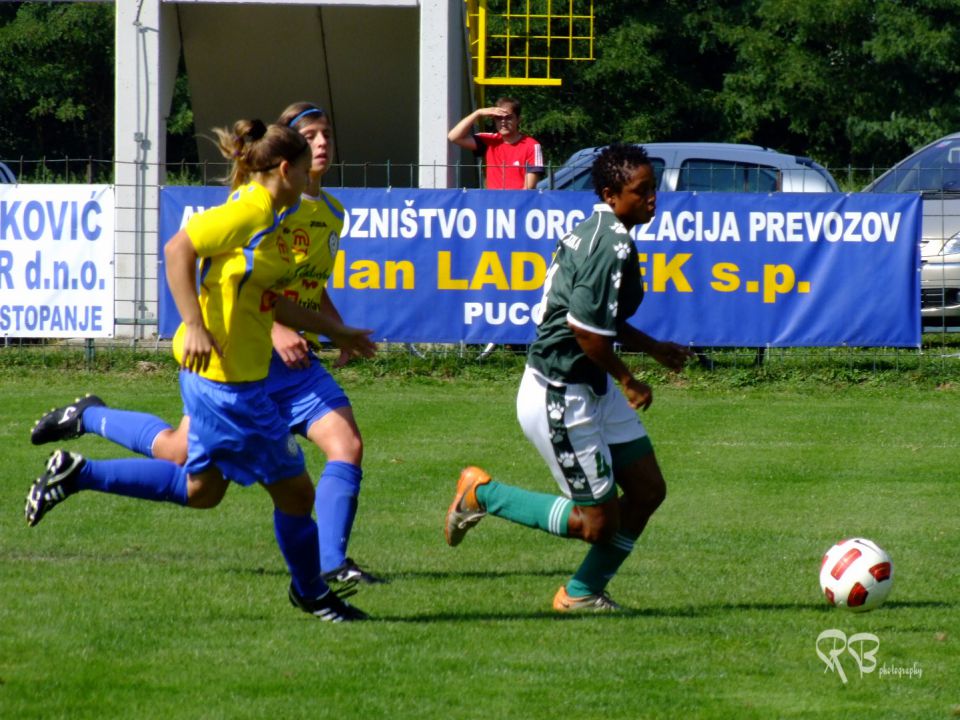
698 611
425 575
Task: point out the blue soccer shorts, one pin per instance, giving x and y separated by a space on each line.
238 428
303 396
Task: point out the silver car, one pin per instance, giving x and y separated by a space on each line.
708 167
934 172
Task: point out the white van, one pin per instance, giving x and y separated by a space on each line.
708 167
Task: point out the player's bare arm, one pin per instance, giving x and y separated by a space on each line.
291 346
180 259
599 348
355 341
669 354
328 308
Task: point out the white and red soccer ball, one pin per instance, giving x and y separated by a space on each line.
856 574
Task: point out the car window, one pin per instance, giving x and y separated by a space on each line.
584 181
936 168
726 176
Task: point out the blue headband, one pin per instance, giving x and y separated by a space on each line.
309 111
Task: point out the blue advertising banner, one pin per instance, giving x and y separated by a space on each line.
719 269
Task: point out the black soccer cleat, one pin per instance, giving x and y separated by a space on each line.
329 607
350 572
63 423
53 487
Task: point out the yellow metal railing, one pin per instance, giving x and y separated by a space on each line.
518 42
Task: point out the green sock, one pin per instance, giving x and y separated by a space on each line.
600 565
536 510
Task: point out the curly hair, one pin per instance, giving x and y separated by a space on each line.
613 167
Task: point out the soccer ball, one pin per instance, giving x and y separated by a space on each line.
856 574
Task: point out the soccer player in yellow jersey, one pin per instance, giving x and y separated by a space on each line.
308 397
236 431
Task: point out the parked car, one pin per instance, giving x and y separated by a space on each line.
708 167
6 174
934 172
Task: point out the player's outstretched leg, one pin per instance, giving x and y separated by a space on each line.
58 482
63 423
465 510
133 430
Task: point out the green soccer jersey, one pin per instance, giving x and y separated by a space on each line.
593 283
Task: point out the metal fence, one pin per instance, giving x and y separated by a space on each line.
136 276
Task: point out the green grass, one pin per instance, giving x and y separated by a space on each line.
115 608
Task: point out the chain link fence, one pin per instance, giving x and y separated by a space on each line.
137 244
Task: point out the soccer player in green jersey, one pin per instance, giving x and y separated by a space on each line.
588 433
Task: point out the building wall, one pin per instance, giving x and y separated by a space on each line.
360 63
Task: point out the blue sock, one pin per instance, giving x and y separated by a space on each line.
137 478
336 506
299 545
133 430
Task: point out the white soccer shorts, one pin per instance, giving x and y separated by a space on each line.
572 428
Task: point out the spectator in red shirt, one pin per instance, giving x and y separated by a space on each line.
514 160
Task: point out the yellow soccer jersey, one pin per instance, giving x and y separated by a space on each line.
313 234
244 264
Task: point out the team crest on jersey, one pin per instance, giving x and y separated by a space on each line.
334 244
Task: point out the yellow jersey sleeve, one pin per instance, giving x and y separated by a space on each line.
244 266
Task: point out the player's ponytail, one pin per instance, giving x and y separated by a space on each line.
253 147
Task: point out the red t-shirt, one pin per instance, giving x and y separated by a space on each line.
508 164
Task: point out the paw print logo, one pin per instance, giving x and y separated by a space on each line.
612 307
567 459
622 249
555 411
616 277
579 482
557 435
618 228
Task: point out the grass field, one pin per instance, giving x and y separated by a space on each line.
115 608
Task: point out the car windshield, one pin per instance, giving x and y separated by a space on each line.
935 169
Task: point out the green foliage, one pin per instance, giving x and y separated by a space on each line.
118 608
847 82
56 80
851 83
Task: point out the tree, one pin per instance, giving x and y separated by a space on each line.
657 76
859 82
56 80
847 81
